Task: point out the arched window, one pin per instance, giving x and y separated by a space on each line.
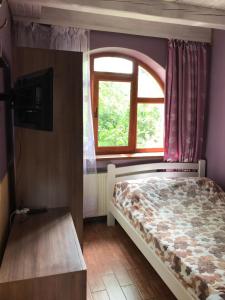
128 105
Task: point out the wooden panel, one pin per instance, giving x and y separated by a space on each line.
148 10
157 166
104 21
89 295
95 282
113 288
4 211
108 252
122 275
58 287
126 25
157 174
102 295
48 235
43 259
131 292
49 164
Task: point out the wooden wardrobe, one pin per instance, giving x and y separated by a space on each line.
49 165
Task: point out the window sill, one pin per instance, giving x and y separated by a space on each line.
153 155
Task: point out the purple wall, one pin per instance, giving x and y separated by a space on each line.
155 48
215 148
5 40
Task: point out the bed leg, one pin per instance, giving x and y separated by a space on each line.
110 220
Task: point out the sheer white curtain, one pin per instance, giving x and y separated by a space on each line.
90 178
69 39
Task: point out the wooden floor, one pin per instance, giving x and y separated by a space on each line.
116 268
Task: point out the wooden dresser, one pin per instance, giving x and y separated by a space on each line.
43 259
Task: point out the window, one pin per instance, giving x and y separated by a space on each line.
128 105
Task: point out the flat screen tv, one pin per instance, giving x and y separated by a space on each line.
33 100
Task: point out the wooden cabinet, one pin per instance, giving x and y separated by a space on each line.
49 165
43 259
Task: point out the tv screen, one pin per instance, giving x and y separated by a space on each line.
33 100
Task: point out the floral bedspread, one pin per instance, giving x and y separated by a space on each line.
183 220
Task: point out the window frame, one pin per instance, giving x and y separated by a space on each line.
97 76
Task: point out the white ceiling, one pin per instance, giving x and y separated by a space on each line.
219 4
187 19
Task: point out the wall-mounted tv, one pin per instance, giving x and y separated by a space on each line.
33 100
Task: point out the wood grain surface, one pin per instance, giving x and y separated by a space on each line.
49 165
116 269
4 212
43 259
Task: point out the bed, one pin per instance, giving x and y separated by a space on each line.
176 217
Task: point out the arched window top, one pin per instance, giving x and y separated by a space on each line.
128 105
113 64
148 86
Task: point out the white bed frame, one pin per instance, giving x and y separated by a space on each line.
142 171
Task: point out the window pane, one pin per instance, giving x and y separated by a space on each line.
148 87
113 113
113 64
150 125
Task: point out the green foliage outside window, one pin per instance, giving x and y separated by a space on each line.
114 116
114 113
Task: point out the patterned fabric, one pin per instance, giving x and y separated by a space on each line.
183 221
185 98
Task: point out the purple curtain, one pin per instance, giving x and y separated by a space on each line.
185 99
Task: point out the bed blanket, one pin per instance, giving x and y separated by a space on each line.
183 221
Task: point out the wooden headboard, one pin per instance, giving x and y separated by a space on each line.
153 169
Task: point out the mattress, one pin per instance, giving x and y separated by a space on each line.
183 220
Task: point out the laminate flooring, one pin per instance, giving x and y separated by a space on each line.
116 269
